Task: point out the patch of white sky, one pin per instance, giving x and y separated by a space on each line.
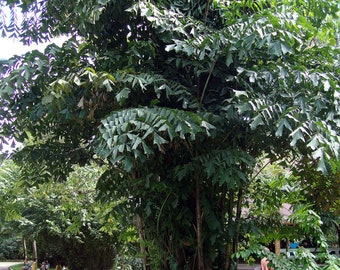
10 46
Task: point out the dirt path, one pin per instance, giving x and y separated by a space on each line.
5 265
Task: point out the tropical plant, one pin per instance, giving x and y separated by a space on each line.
179 98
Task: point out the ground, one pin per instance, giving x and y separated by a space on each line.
5 265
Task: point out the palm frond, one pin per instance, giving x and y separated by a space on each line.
139 132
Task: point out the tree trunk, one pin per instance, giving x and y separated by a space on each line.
238 219
35 256
140 227
223 201
230 220
221 259
228 256
199 223
339 236
277 247
35 253
25 249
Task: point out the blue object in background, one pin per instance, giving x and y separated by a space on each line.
293 245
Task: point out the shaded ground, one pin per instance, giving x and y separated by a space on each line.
5 265
242 266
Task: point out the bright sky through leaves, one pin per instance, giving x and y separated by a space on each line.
11 46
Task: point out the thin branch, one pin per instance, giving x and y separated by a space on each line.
206 11
207 82
261 169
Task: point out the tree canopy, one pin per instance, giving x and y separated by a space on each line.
179 98
68 225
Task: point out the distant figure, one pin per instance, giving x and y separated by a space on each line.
264 262
45 265
27 265
34 266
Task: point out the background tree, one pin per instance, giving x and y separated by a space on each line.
179 98
323 193
278 208
63 218
10 247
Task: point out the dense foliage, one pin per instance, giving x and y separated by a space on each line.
279 198
179 98
68 226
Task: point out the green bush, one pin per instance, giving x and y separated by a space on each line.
10 249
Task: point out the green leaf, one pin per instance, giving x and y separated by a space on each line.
147 150
326 85
188 50
128 164
274 48
7 90
158 140
229 59
136 143
256 121
210 169
145 11
314 142
285 48
47 99
296 135
315 78
322 166
318 153
170 47
123 95
281 124
243 107
207 125
239 93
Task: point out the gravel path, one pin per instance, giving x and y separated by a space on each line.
5 265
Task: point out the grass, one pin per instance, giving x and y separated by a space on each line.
17 266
